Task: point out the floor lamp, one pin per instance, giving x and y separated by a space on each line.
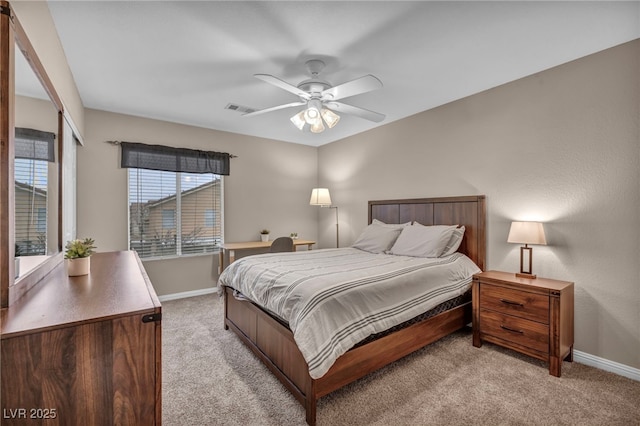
321 197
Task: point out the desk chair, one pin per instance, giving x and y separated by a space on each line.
282 244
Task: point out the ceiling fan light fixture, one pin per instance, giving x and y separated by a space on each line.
311 115
317 126
298 120
320 98
330 117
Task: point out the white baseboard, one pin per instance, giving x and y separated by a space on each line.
186 294
606 365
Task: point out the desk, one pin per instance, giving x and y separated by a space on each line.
251 245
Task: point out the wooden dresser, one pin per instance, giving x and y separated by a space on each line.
531 316
84 350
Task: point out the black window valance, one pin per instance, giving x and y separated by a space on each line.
159 157
34 144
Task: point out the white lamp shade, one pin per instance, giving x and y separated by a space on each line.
330 117
320 197
298 120
317 126
311 115
527 233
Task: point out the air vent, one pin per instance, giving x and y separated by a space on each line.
239 108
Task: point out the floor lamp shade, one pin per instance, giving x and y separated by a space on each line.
526 233
320 197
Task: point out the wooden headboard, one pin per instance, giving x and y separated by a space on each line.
468 211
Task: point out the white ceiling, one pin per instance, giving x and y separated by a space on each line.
184 61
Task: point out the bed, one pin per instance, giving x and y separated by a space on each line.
269 336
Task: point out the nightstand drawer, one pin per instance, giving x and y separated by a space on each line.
517 330
520 303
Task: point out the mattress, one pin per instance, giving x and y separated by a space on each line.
335 298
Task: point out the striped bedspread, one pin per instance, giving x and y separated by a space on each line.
334 298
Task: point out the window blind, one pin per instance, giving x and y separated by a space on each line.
174 213
175 205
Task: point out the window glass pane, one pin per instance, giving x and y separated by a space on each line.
200 193
159 201
151 193
31 206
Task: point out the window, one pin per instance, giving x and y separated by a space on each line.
174 213
31 206
170 189
34 151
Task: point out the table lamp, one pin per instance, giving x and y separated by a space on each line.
526 233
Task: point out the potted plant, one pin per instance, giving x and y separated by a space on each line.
294 235
264 235
78 256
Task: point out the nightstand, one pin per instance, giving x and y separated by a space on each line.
531 316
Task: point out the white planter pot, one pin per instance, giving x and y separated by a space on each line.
79 266
264 237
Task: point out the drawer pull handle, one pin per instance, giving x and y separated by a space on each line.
513 330
509 302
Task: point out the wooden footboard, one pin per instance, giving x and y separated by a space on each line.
270 341
273 343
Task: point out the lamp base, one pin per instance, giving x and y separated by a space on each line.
530 276
526 253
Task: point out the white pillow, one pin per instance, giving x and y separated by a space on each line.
454 242
390 225
422 241
378 237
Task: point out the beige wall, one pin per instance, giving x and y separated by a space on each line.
38 24
561 146
269 187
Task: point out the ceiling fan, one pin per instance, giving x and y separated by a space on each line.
321 98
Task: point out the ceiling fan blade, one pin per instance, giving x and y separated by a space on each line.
357 111
360 85
275 108
282 84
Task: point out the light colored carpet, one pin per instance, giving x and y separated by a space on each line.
211 378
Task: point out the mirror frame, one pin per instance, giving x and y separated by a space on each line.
12 34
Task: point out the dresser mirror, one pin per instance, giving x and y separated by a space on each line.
36 171
30 167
